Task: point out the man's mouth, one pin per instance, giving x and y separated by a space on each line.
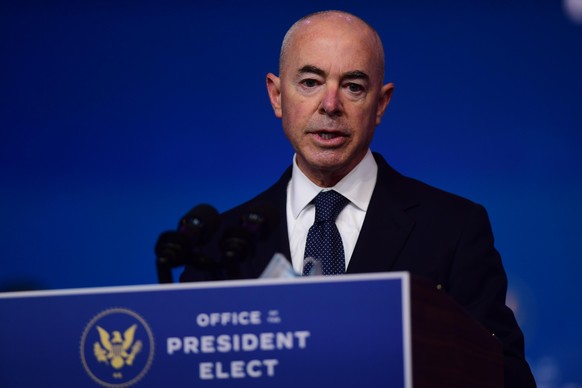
328 135
329 138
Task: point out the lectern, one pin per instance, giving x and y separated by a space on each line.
377 330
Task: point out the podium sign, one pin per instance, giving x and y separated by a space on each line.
345 331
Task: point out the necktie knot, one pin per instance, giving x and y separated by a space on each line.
328 204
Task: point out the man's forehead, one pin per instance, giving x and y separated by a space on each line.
324 32
326 53
333 39
332 23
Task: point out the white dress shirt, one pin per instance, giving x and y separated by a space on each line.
357 186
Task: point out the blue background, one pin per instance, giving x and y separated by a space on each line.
117 118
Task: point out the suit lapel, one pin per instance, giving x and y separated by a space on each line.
277 240
386 226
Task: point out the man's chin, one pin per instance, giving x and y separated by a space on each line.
326 162
325 170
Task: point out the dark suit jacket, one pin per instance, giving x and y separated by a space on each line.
410 226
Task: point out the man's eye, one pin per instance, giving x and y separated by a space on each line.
355 88
310 83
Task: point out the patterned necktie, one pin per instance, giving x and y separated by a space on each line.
324 242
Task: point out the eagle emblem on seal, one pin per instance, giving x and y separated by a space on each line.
117 350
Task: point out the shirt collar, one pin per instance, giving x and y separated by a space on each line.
357 186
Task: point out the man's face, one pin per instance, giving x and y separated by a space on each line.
330 97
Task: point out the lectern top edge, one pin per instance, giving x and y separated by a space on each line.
405 276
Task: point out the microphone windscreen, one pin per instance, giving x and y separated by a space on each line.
261 219
200 223
173 246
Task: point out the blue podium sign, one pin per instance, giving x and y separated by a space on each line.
346 331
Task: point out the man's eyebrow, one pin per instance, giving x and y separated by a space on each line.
356 74
350 75
311 69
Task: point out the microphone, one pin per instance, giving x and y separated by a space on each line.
238 243
200 223
177 248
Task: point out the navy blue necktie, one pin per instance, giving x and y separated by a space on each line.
324 242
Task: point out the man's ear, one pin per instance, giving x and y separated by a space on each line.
384 100
274 90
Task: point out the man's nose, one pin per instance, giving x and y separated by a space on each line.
330 103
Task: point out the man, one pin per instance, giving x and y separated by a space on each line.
330 96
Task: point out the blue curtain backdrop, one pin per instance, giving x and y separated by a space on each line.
118 117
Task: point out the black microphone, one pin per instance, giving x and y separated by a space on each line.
238 243
200 223
172 249
181 247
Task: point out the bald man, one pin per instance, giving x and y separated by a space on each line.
330 97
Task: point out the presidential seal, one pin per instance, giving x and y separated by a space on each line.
117 348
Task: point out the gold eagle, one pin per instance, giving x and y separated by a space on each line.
115 350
